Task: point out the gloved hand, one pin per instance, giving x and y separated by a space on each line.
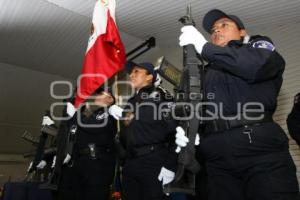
53 162
41 164
190 35
182 140
166 176
115 111
70 109
66 160
47 121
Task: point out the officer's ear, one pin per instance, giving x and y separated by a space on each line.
243 33
149 78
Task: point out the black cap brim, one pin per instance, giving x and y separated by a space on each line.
129 66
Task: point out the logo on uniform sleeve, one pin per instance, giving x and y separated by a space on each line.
264 45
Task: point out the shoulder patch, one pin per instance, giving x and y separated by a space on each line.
264 45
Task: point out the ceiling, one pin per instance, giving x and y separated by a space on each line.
51 35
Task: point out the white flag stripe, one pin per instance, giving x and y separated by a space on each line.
112 8
100 20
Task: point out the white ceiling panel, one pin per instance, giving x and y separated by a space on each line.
144 18
51 35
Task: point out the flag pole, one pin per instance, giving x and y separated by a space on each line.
117 100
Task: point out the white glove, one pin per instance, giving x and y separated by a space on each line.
29 167
182 140
41 164
67 159
53 162
166 176
70 109
157 80
47 121
115 111
190 35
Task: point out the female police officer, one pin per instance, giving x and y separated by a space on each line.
246 152
145 136
89 173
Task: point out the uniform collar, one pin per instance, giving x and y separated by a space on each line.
235 43
245 40
146 89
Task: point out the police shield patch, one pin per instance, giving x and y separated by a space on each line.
264 45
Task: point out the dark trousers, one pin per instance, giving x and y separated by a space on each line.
140 177
255 166
87 179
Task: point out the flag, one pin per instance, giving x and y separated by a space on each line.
105 54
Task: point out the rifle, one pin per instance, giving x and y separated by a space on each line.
190 82
65 142
41 144
150 43
168 71
30 138
47 151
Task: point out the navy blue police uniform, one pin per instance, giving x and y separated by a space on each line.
246 153
293 120
147 135
90 173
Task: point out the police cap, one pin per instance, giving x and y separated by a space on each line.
213 15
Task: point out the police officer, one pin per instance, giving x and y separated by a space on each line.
146 134
293 120
88 173
43 168
246 153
